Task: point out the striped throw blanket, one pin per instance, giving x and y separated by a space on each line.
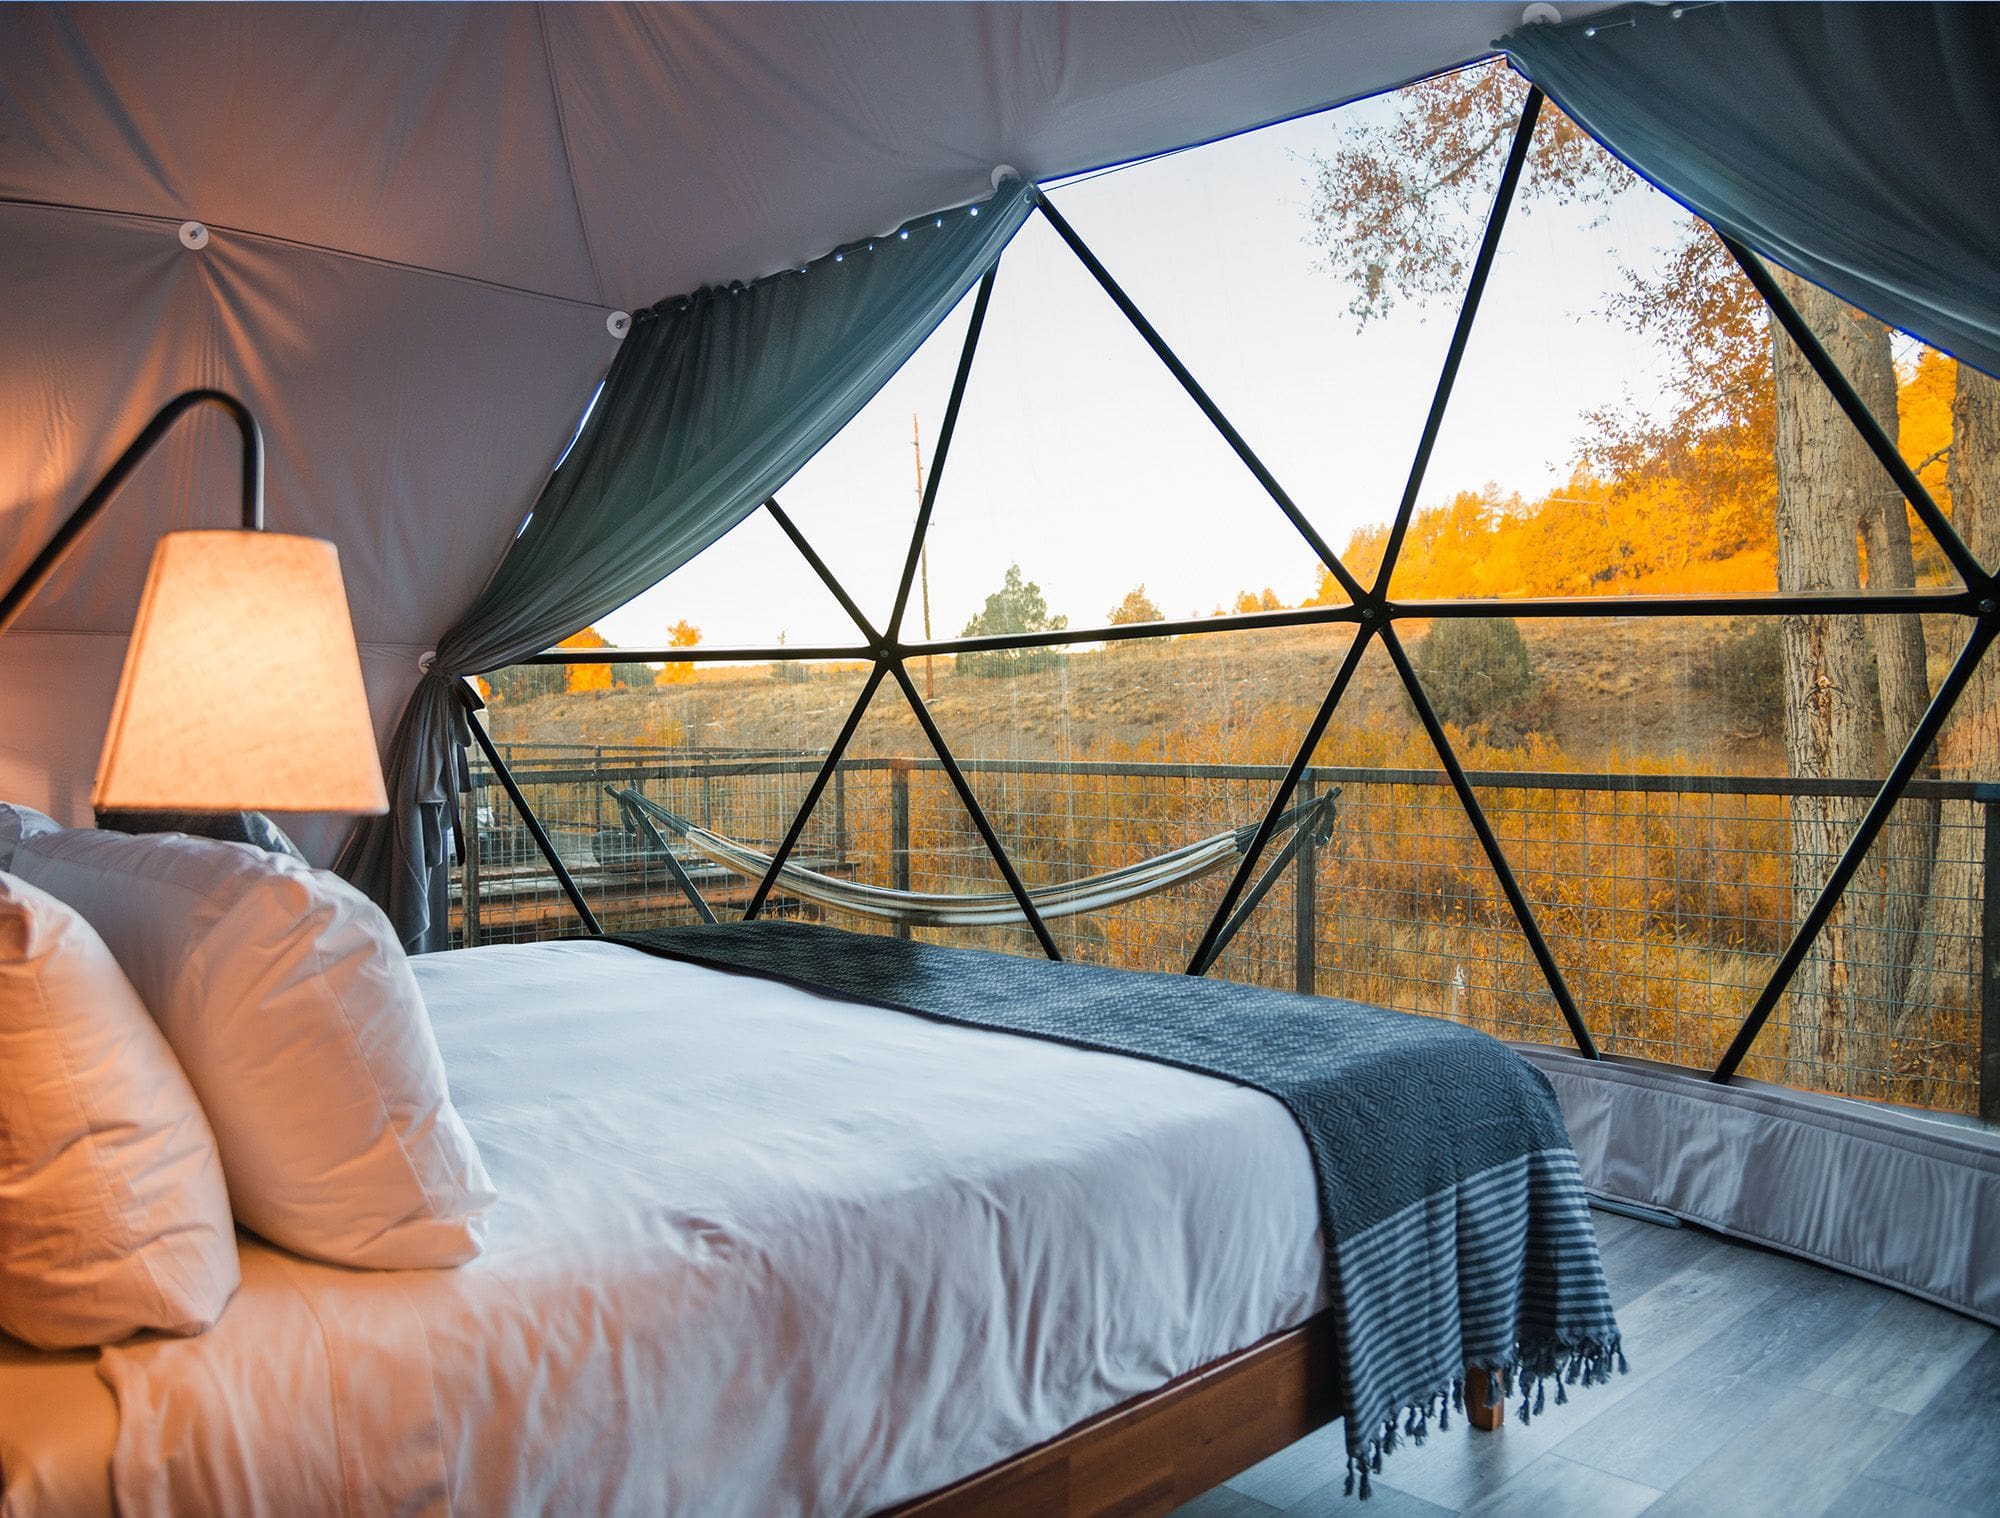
1456 1227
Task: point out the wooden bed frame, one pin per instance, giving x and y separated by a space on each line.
1149 1455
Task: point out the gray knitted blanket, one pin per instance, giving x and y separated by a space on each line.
1456 1228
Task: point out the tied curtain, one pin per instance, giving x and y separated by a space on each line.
1853 144
713 402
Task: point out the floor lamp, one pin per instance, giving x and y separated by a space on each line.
242 684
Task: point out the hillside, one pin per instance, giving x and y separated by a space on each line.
1607 693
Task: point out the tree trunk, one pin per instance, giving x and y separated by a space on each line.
1970 747
1900 863
1830 701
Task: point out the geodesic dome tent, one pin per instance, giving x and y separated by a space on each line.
416 240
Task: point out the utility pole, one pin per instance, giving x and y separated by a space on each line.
924 557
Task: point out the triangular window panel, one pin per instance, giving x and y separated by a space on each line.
1130 766
730 748
1240 255
1080 466
856 499
1632 768
1409 912
1619 425
1886 1015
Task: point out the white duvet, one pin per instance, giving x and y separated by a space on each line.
756 1252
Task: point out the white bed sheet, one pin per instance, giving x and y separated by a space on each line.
756 1252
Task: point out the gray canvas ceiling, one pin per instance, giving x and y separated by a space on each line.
421 217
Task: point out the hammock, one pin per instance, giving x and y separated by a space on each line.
1312 819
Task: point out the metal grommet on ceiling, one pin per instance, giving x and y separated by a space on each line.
618 323
194 235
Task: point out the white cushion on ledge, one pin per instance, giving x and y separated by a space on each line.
113 1216
293 1010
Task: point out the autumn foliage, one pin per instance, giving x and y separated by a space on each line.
1668 515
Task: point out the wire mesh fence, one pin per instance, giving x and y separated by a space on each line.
1666 900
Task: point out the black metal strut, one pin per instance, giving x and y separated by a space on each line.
53 552
530 821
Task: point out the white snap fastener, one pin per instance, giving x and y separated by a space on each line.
193 235
618 323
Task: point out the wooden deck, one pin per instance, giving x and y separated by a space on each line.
1759 1384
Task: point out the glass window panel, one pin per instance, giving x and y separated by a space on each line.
1410 915
1671 837
1080 462
1234 253
902 826
1620 425
1886 1005
1095 758
732 748
856 499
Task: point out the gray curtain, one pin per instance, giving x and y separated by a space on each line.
1853 144
714 401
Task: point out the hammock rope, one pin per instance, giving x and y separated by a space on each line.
987 909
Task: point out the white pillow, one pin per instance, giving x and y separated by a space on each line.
113 1216
18 822
292 1007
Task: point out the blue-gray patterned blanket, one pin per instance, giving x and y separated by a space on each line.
1456 1227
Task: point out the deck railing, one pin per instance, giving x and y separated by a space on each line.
1666 898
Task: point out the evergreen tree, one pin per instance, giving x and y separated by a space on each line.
1017 606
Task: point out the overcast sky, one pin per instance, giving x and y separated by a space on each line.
1078 456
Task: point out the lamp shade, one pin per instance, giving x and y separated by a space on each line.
242 685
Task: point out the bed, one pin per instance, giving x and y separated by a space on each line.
803 1257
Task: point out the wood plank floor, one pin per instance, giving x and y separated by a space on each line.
1759 1384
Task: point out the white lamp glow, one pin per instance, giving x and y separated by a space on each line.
242 685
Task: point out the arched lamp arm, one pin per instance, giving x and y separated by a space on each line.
57 549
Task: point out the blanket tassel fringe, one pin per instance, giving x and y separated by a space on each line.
1528 1372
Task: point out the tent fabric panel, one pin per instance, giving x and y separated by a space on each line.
408 418
119 321
722 142
616 154
1909 1201
1852 144
423 134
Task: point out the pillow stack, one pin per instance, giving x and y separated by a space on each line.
291 1006
191 1029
